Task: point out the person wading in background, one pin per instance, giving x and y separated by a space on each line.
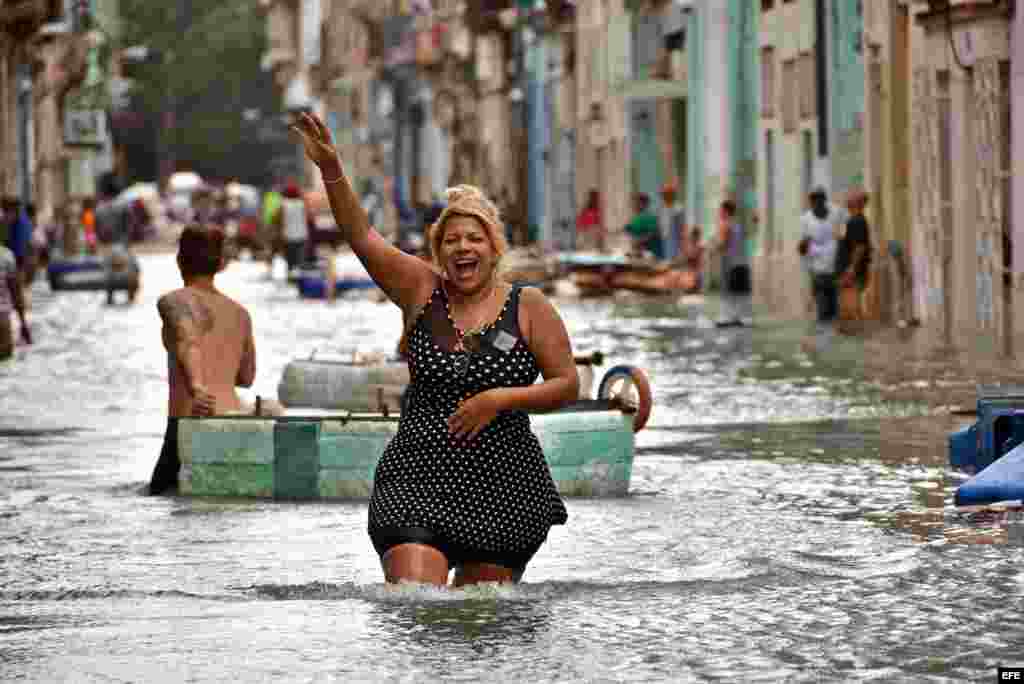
819 240
853 256
11 298
294 222
737 307
643 228
672 222
209 342
590 229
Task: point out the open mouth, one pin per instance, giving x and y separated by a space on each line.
465 268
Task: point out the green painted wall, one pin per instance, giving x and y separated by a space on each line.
744 86
846 98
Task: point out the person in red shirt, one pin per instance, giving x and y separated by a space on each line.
590 229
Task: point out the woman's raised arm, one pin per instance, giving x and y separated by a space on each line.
403 277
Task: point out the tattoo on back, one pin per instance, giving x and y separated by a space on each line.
182 306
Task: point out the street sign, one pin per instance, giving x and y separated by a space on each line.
85 127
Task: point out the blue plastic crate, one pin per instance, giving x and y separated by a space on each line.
965 451
1000 421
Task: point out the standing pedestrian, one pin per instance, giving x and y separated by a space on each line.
88 224
19 237
464 483
12 298
737 307
294 225
590 228
819 240
270 211
672 222
853 256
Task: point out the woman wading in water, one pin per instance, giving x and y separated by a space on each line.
464 484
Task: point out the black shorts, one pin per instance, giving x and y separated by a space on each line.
165 474
385 538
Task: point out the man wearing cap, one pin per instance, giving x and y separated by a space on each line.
671 222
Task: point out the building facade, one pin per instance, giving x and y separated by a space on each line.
54 97
602 61
1015 210
961 165
918 103
792 147
887 150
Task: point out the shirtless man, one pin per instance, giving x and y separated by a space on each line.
209 343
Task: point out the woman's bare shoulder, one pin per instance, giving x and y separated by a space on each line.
534 298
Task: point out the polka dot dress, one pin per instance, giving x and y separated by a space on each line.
494 494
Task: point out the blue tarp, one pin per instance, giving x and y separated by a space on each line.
1001 481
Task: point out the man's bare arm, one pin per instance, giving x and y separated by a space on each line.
184 323
247 368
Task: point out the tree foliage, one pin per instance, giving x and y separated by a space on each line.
204 66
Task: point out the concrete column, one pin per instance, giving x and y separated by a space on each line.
963 159
718 112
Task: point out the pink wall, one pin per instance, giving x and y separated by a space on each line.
1017 128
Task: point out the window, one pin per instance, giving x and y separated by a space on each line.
805 67
768 94
788 104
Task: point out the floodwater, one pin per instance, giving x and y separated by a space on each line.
753 546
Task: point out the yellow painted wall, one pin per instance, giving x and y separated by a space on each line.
782 286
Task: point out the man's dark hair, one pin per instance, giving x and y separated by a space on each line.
729 207
200 250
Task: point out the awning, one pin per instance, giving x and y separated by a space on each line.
652 88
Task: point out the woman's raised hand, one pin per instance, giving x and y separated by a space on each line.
316 139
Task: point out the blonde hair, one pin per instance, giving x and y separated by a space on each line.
469 200
461 200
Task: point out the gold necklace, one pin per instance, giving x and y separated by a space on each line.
468 339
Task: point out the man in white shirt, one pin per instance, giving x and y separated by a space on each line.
11 298
819 241
294 225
